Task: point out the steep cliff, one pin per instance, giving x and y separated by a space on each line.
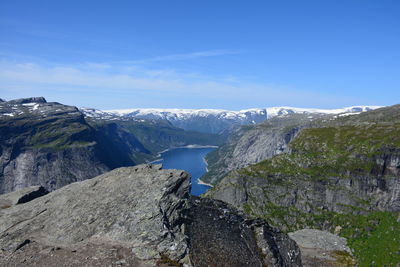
254 143
341 174
137 216
52 145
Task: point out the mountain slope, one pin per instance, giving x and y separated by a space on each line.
254 143
341 175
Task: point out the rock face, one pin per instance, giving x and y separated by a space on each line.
221 236
252 144
138 216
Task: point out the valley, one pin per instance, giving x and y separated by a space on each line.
333 171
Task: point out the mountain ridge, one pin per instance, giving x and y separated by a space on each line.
215 121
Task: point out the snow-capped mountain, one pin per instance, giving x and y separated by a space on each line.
215 120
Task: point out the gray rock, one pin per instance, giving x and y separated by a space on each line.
28 100
143 213
317 239
321 247
134 206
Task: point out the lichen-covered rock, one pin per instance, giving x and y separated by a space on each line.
135 207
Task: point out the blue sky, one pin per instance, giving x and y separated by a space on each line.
202 54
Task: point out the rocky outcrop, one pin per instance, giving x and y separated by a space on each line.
219 235
137 216
137 208
321 248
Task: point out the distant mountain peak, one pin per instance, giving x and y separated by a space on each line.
28 100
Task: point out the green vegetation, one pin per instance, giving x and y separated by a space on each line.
374 237
60 134
341 151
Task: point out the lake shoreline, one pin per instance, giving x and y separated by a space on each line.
199 181
176 147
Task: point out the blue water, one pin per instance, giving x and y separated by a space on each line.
190 160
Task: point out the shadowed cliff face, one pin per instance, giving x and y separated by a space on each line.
146 216
222 236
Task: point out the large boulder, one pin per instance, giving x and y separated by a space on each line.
321 248
220 235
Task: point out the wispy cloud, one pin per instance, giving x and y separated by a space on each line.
187 56
109 85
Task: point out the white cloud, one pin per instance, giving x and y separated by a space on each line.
187 56
137 86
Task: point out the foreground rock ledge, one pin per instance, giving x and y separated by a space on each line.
137 216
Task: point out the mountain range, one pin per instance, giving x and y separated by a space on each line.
214 121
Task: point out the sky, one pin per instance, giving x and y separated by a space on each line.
233 54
